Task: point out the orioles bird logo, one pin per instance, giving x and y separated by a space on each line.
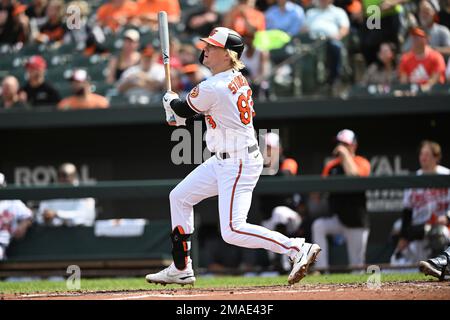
194 92
213 32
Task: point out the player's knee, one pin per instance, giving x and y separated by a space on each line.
175 195
231 235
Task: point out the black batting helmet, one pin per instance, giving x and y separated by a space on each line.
224 38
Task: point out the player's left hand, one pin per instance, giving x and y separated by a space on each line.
168 98
171 118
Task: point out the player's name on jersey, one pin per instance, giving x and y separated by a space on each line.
237 82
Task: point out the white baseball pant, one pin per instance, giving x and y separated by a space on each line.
355 238
233 180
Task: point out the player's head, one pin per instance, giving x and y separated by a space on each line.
147 57
428 10
35 68
2 180
419 39
131 39
80 82
347 138
430 155
67 173
223 46
10 87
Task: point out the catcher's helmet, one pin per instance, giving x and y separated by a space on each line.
224 38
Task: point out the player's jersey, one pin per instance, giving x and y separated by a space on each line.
11 213
427 203
226 101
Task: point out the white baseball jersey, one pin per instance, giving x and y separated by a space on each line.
427 202
69 212
12 212
226 101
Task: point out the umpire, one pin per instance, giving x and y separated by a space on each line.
349 215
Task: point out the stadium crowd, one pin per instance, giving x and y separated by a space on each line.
378 44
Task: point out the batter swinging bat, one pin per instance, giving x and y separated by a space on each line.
164 39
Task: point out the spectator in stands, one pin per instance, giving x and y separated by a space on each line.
279 211
244 18
191 76
129 56
286 16
224 6
54 29
444 13
422 65
10 98
424 210
148 11
349 216
14 23
353 8
388 30
202 20
175 57
188 54
67 212
37 12
116 13
257 66
328 21
438 35
383 71
144 79
82 97
15 219
87 36
36 91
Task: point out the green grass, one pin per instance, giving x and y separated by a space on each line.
136 284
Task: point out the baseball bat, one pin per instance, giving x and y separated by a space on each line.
164 40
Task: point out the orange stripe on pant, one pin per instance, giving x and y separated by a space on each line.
246 233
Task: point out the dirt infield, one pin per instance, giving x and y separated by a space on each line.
429 290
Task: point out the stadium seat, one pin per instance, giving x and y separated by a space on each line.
441 89
119 101
33 48
58 73
64 88
100 87
67 48
97 71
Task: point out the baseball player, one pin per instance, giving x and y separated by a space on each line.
232 173
15 218
438 266
424 209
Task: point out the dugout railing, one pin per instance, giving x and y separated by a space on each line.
97 258
266 185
